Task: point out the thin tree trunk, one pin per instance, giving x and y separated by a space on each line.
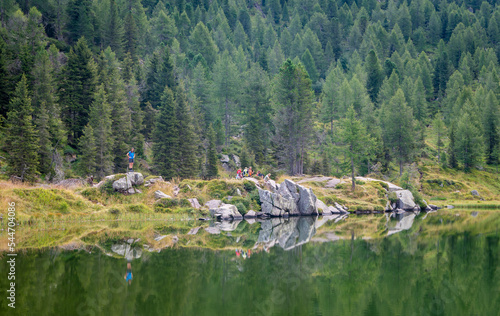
352 175
226 121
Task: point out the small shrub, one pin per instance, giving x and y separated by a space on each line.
393 197
249 186
137 208
359 182
241 208
114 211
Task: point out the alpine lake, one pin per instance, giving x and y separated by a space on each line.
439 263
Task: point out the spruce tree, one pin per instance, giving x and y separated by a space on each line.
120 113
77 88
88 151
47 112
166 137
22 142
292 102
202 43
398 129
452 157
211 155
375 75
114 33
358 144
186 159
491 123
5 85
102 127
80 20
469 142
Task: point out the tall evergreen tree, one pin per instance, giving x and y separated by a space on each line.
166 137
375 75
491 123
47 112
356 140
469 142
114 32
77 87
88 149
5 85
22 142
211 156
397 127
292 102
120 113
102 132
186 159
80 20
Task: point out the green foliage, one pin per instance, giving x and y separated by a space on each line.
22 143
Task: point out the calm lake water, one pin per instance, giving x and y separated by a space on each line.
300 266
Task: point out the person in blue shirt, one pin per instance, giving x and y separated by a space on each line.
128 276
131 156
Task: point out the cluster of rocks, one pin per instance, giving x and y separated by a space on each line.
127 184
226 161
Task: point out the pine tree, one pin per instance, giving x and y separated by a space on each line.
130 36
469 142
80 20
77 87
186 160
166 137
375 75
120 113
438 126
202 43
211 156
88 149
5 85
225 89
356 140
114 34
397 127
22 142
310 66
292 102
160 75
452 157
47 113
257 123
102 131
491 123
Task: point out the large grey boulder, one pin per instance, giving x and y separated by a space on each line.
236 160
226 212
224 159
213 204
474 193
136 178
160 195
322 207
122 185
405 200
288 199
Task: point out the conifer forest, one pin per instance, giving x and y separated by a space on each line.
331 87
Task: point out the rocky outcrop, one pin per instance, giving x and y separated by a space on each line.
126 184
405 200
151 181
292 199
194 203
226 212
212 204
160 195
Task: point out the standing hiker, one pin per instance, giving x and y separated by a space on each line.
131 155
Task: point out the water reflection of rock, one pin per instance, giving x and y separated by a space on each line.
287 232
404 222
127 251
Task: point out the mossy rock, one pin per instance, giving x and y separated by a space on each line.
168 205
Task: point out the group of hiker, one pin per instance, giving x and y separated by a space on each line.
248 172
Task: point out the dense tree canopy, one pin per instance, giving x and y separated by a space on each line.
273 79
